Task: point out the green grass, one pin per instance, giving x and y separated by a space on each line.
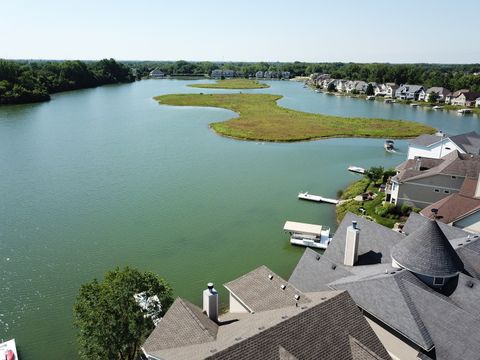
232 84
261 119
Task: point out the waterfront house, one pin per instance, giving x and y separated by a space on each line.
259 74
387 90
228 74
341 85
441 144
461 209
418 289
409 92
157 74
217 74
391 88
477 102
465 99
441 92
420 182
448 98
285 75
268 318
267 74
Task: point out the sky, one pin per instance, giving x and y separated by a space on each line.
433 31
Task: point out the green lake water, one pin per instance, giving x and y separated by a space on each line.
106 177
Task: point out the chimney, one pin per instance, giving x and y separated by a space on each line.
418 163
210 302
477 189
351 245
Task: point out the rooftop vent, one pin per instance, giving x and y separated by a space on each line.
317 257
284 317
261 328
283 287
334 266
297 297
270 276
470 284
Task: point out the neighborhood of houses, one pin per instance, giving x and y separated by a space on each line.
230 74
375 293
462 97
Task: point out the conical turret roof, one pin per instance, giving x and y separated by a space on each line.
427 251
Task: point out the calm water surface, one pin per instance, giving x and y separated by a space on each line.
105 177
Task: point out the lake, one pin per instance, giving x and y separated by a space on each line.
107 177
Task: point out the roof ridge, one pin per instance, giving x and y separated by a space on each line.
185 304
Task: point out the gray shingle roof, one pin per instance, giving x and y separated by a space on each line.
183 324
259 292
415 221
427 251
426 140
468 142
469 252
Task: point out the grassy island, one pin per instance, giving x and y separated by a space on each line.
238 84
261 119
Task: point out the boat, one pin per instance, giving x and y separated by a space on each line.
464 111
389 145
388 101
356 169
8 350
317 91
414 105
437 107
306 196
310 235
371 97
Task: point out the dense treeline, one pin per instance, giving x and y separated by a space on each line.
453 77
24 82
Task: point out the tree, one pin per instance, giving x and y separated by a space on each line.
111 324
375 173
369 91
433 97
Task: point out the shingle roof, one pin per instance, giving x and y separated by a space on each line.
262 290
469 252
468 142
426 140
183 324
415 221
427 251
439 90
452 208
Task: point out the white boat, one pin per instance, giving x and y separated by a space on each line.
388 101
356 169
389 145
306 196
310 235
464 111
317 91
437 107
8 350
371 97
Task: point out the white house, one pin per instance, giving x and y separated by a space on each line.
341 85
441 92
259 74
439 145
157 74
409 92
477 102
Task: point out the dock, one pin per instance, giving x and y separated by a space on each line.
8 350
310 235
356 169
316 198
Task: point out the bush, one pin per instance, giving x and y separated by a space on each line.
385 209
405 209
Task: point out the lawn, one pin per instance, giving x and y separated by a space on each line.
261 119
232 84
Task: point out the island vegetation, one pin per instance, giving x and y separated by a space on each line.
111 323
27 81
232 84
366 197
260 118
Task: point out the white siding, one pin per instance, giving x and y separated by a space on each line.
236 306
436 151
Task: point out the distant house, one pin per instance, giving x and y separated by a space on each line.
461 209
437 146
217 74
285 75
267 74
465 99
157 74
391 88
477 102
421 182
448 98
228 74
341 85
387 90
409 92
441 92
259 74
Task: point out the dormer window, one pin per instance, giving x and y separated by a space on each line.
438 281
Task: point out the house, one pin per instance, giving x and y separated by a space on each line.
409 92
418 290
361 86
477 102
268 318
461 209
448 98
465 99
217 74
420 182
259 74
267 74
285 75
441 92
441 144
341 85
228 74
391 88
157 74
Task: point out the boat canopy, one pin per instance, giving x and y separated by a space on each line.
296 227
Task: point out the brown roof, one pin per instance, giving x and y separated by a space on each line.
452 208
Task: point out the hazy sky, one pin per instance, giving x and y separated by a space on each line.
439 31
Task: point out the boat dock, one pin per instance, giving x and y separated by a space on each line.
8 350
310 235
356 169
316 198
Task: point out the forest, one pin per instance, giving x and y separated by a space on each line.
33 81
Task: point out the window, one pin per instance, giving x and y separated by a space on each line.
436 190
454 177
447 148
438 281
446 191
